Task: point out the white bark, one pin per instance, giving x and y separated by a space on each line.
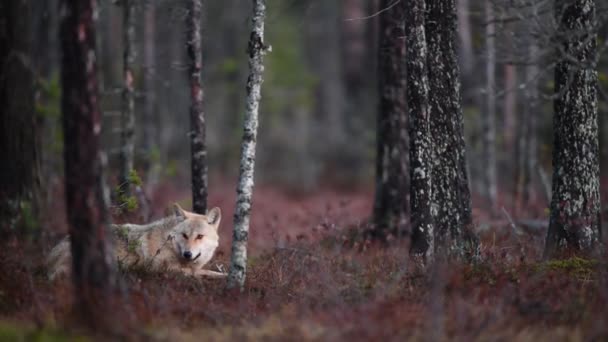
256 51
127 144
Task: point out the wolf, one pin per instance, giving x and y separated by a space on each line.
182 242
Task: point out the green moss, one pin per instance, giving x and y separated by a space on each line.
575 266
134 178
16 332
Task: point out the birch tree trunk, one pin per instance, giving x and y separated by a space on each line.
256 50
419 130
575 206
392 178
127 135
198 149
451 197
489 116
86 200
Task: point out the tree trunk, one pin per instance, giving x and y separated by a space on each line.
198 149
18 126
489 116
419 130
392 178
526 153
86 201
150 124
127 134
466 37
575 206
256 50
509 104
451 196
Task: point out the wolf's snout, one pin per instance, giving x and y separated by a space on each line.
187 255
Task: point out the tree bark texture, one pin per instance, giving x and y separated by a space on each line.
489 115
575 206
451 198
419 130
198 149
93 269
18 128
127 133
256 50
392 178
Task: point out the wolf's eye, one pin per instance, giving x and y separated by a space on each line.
199 236
185 236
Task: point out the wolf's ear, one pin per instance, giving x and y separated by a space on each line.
214 216
178 211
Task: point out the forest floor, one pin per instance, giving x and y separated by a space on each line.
311 277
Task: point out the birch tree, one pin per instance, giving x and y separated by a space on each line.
419 132
255 50
575 206
489 114
198 149
451 198
392 178
127 134
86 200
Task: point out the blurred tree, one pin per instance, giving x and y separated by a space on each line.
451 197
419 132
86 198
392 178
127 133
526 149
256 50
575 206
150 122
489 114
18 128
198 148
465 36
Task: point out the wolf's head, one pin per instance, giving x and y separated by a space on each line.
195 239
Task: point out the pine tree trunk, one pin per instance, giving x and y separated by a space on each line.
575 206
451 196
198 148
489 116
86 202
127 134
18 128
392 178
419 130
256 51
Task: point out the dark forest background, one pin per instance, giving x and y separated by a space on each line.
320 95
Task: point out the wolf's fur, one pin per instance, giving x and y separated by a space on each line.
160 245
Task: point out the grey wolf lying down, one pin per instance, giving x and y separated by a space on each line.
183 242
